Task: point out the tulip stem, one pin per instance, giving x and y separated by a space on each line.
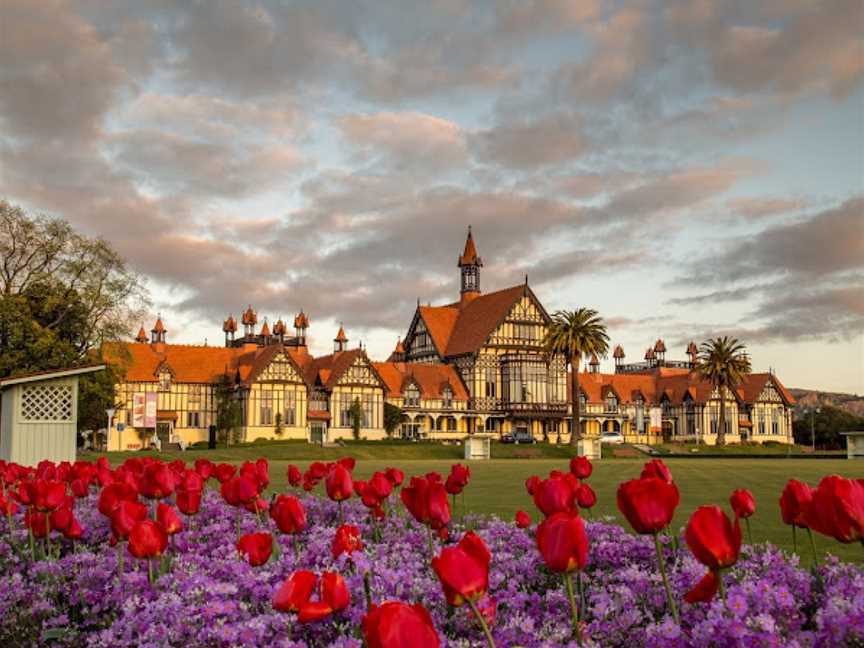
813 547
431 546
720 584
482 621
150 571
794 539
297 549
672 607
341 514
367 590
237 523
749 535
120 560
574 609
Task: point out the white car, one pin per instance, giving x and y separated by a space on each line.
615 438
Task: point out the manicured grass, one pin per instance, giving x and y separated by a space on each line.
497 486
773 450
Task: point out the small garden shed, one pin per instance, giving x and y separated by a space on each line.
39 416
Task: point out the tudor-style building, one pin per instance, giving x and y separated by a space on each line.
474 365
494 343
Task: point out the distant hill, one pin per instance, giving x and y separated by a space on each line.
810 398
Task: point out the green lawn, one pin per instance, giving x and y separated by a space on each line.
497 486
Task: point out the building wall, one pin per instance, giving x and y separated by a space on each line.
28 438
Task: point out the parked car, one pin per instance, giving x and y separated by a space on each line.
519 436
615 438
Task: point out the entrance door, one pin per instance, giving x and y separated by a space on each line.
317 433
163 432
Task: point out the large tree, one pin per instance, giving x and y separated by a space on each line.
725 363
574 334
62 295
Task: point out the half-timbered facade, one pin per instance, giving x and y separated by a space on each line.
474 365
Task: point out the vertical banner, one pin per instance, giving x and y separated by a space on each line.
138 410
150 410
656 419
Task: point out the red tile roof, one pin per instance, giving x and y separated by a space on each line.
480 317
340 336
142 335
431 379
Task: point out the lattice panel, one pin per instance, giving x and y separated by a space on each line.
46 403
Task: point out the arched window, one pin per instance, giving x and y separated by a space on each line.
611 402
447 397
412 396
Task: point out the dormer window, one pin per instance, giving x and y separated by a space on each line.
447 398
164 381
611 402
412 396
583 401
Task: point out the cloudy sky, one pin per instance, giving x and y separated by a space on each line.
687 168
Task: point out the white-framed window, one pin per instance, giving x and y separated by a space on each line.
447 398
266 410
490 382
289 407
611 402
412 396
193 419
164 381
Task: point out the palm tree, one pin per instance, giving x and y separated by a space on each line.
574 334
725 363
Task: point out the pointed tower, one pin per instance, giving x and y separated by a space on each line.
469 265
265 333
618 354
157 333
340 342
301 323
141 338
693 352
660 351
249 320
229 327
594 364
279 330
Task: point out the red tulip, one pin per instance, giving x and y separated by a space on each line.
743 503
314 611
648 503
712 537
656 468
554 495
334 591
581 467
531 484
147 539
125 516
74 530
460 474
427 501
395 476
37 522
716 543
464 570
294 475
61 518
794 503
190 480
239 490
204 468
381 486
523 520
7 506
562 542
188 502
347 462
295 592
256 548
79 488
168 518
113 494
223 472
586 498
347 540
837 509
452 486
289 514
49 495
339 484
317 470
157 481
398 625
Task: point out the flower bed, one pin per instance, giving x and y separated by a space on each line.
209 596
